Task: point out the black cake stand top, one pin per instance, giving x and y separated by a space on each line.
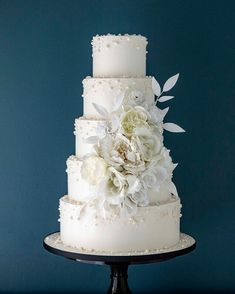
53 244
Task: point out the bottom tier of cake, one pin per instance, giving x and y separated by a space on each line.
153 227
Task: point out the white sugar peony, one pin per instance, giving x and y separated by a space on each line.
134 184
148 143
94 170
132 119
120 152
116 185
106 149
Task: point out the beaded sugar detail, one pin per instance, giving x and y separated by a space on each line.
105 42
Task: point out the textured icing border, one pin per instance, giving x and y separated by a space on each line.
126 37
101 42
72 209
54 241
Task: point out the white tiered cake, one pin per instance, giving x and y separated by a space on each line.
121 197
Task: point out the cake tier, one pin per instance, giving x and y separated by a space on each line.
104 91
80 190
119 56
153 227
85 128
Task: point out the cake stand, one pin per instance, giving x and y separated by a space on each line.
118 262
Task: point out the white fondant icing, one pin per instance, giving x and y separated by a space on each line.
78 188
85 128
153 227
104 91
119 56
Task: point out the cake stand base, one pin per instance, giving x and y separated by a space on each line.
119 277
118 262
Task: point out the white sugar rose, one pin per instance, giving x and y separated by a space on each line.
94 170
149 179
116 184
149 144
157 173
137 191
140 197
135 98
132 119
166 161
134 184
157 114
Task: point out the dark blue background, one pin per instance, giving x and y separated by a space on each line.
45 53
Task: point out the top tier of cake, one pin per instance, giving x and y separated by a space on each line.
119 56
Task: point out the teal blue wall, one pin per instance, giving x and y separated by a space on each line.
45 53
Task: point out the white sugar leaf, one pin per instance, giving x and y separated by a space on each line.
172 188
165 98
118 101
169 84
114 123
101 110
156 87
175 165
91 139
174 128
164 111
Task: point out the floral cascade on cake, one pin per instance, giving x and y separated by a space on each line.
121 197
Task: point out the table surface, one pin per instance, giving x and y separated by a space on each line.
52 243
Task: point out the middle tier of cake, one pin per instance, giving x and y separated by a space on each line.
105 91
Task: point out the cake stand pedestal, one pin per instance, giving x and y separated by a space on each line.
118 262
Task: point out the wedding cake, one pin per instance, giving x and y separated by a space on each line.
121 197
